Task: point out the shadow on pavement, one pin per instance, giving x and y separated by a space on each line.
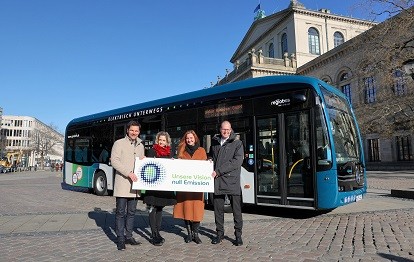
284 212
395 258
74 188
279 211
104 220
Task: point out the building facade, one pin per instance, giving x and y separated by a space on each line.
280 43
369 70
344 52
28 141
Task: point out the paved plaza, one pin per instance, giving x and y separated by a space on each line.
43 220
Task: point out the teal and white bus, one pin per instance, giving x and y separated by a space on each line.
302 143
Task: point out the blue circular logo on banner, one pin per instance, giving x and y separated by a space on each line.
152 173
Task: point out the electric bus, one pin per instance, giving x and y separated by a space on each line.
301 139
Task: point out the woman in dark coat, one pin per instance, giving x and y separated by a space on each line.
157 200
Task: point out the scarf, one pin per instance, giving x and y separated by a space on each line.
162 151
191 149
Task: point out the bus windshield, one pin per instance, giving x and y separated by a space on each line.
343 128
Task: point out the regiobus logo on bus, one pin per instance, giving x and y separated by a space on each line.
280 102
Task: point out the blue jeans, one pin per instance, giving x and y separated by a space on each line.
124 217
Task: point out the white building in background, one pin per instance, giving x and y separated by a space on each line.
20 142
280 43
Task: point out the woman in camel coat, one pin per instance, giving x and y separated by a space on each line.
190 205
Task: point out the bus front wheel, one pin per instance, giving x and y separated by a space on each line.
100 185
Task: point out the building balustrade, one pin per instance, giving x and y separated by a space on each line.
257 62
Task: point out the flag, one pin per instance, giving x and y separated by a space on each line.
257 8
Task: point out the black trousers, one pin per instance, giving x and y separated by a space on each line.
235 201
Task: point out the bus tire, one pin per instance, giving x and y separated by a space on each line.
100 184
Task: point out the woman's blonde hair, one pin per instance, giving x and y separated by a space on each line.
181 145
167 136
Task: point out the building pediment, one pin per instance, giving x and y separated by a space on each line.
257 31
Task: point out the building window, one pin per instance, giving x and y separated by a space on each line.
271 50
370 90
346 89
404 148
313 38
373 150
338 38
345 85
284 44
399 83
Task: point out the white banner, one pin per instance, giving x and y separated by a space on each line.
167 174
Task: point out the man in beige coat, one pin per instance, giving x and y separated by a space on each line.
124 152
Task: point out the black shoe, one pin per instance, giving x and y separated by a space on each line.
196 238
120 245
132 241
161 238
188 238
238 242
156 241
217 240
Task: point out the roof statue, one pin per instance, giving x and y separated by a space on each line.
296 4
260 14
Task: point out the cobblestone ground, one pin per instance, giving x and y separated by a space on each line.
365 236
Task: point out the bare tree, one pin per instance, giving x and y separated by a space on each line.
3 143
387 90
44 139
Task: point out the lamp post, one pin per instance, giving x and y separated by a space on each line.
409 67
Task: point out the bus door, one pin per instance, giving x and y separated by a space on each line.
284 173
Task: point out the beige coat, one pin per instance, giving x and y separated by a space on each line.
123 156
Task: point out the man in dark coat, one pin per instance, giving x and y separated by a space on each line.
227 153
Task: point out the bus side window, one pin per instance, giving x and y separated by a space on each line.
69 151
323 148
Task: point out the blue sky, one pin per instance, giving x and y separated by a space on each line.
62 59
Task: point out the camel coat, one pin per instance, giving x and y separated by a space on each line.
190 205
123 156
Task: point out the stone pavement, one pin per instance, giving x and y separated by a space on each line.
42 220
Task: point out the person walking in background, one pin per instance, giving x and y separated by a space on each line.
190 205
227 153
157 200
123 154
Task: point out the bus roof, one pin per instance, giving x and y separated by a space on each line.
240 85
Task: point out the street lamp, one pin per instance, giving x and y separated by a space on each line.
409 67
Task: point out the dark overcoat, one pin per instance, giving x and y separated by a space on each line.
228 159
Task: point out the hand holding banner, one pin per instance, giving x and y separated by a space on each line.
173 175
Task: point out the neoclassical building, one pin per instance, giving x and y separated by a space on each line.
341 50
280 43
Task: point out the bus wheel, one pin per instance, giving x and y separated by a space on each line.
100 185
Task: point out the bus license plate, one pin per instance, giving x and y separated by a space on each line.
358 197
